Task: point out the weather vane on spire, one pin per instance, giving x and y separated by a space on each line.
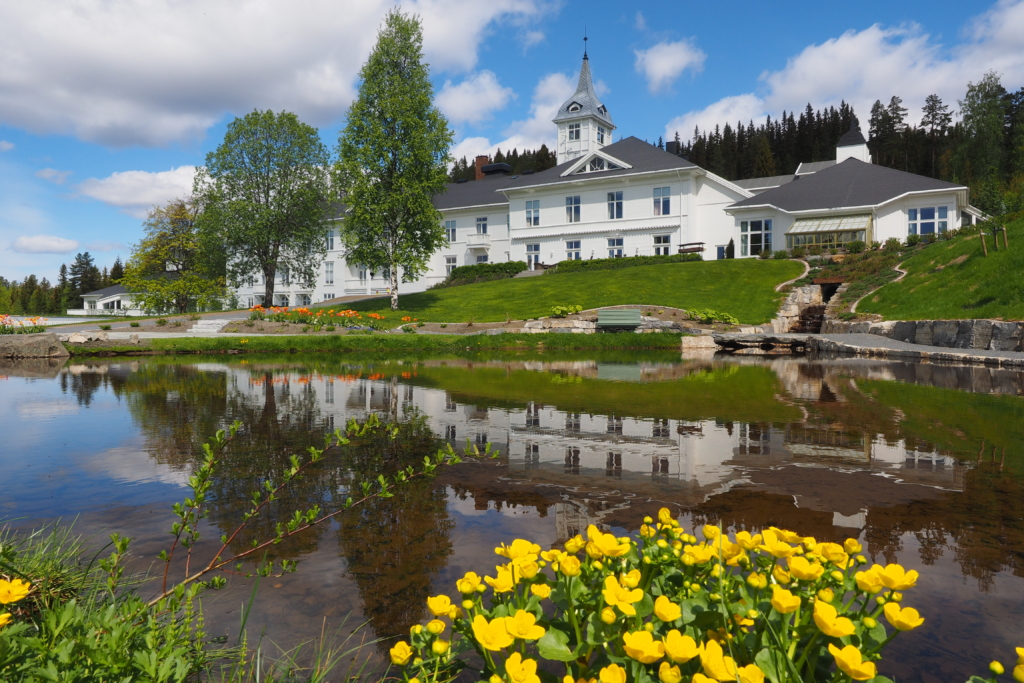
584 42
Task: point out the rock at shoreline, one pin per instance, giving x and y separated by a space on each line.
41 345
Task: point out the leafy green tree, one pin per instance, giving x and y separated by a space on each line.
165 271
5 300
266 200
393 158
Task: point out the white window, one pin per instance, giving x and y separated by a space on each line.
305 299
329 273
614 205
330 241
596 164
481 226
574 131
285 279
533 213
91 305
755 237
482 258
327 296
362 273
927 220
662 243
614 247
662 201
572 209
449 230
572 250
449 264
283 300
532 254
600 135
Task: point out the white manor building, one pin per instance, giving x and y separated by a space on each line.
609 199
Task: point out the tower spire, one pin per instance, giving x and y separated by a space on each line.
585 43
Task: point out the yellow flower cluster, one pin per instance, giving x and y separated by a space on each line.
11 592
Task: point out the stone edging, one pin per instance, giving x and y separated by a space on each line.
903 274
830 345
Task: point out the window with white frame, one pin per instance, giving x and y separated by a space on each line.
574 131
533 213
572 209
327 296
662 243
330 241
532 254
662 201
329 273
755 237
481 226
450 262
305 299
600 135
927 220
482 258
362 273
614 247
614 205
285 276
572 250
283 300
449 230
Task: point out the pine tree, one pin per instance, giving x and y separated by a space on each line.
116 271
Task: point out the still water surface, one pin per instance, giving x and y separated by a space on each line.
923 463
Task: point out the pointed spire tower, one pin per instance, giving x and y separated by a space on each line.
584 124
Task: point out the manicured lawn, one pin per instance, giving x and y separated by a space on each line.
954 279
743 288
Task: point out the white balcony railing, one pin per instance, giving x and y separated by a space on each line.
478 241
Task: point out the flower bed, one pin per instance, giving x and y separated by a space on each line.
770 606
9 325
318 318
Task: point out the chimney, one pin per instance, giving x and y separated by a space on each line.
672 147
481 161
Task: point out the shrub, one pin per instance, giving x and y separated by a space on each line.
847 315
913 240
892 245
330 328
815 250
875 246
134 323
765 254
104 327
408 329
257 313
625 262
562 311
708 316
481 272
161 322
929 238
781 254
799 252
855 247
193 316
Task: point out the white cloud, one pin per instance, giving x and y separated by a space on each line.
877 63
473 100
136 192
640 23
532 38
43 244
6 146
164 71
663 63
53 175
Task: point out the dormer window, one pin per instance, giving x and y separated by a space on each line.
574 131
597 164
574 107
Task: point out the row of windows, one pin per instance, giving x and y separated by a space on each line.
615 248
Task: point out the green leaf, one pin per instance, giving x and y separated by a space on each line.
554 644
770 661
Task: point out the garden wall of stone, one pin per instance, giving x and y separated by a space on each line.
985 335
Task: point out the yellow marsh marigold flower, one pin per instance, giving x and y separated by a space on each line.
570 566
698 554
608 615
775 545
436 626
641 646
716 663
468 583
5 619
895 577
667 673
701 678
13 591
521 670
750 673
617 596
520 548
852 546
801 569
785 535
491 635
554 555
630 579
781 575
575 544
604 545
401 653
666 610
665 516
826 594
829 621
1020 655
834 553
711 532
783 601
439 605
613 673
757 580
852 663
746 541
680 648
523 625
869 581
541 590
524 568
439 647
905 619
504 583
1018 673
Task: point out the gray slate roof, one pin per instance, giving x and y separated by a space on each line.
108 291
586 98
808 167
851 183
762 183
852 136
642 156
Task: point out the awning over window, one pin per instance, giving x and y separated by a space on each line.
804 226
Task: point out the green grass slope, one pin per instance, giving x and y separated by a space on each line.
954 279
743 288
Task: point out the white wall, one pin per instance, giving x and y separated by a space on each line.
891 219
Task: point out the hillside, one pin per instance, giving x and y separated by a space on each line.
954 279
743 288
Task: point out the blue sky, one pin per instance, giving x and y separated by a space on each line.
105 108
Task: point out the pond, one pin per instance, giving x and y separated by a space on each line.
923 463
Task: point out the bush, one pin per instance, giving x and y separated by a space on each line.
134 323
913 240
847 315
855 247
482 272
781 254
892 245
562 311
161 322
104 327
765 254
815 250
875 246
625 262
799 252
708 316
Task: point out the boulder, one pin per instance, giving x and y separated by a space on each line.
1005 337
78 338
700 342
904 331
944 332
41 345
981 334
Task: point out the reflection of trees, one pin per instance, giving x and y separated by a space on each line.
394 546
84 385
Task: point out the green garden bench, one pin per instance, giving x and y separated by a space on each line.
619 319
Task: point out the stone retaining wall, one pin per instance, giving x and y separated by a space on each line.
984 335
799 299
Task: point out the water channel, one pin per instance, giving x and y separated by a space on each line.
923 463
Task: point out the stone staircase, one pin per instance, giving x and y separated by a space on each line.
207 326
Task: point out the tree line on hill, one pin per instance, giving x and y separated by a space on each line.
527 160
37 296
983 149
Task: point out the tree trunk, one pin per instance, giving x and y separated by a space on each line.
394 286
268 285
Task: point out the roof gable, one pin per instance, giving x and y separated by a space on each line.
594 162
